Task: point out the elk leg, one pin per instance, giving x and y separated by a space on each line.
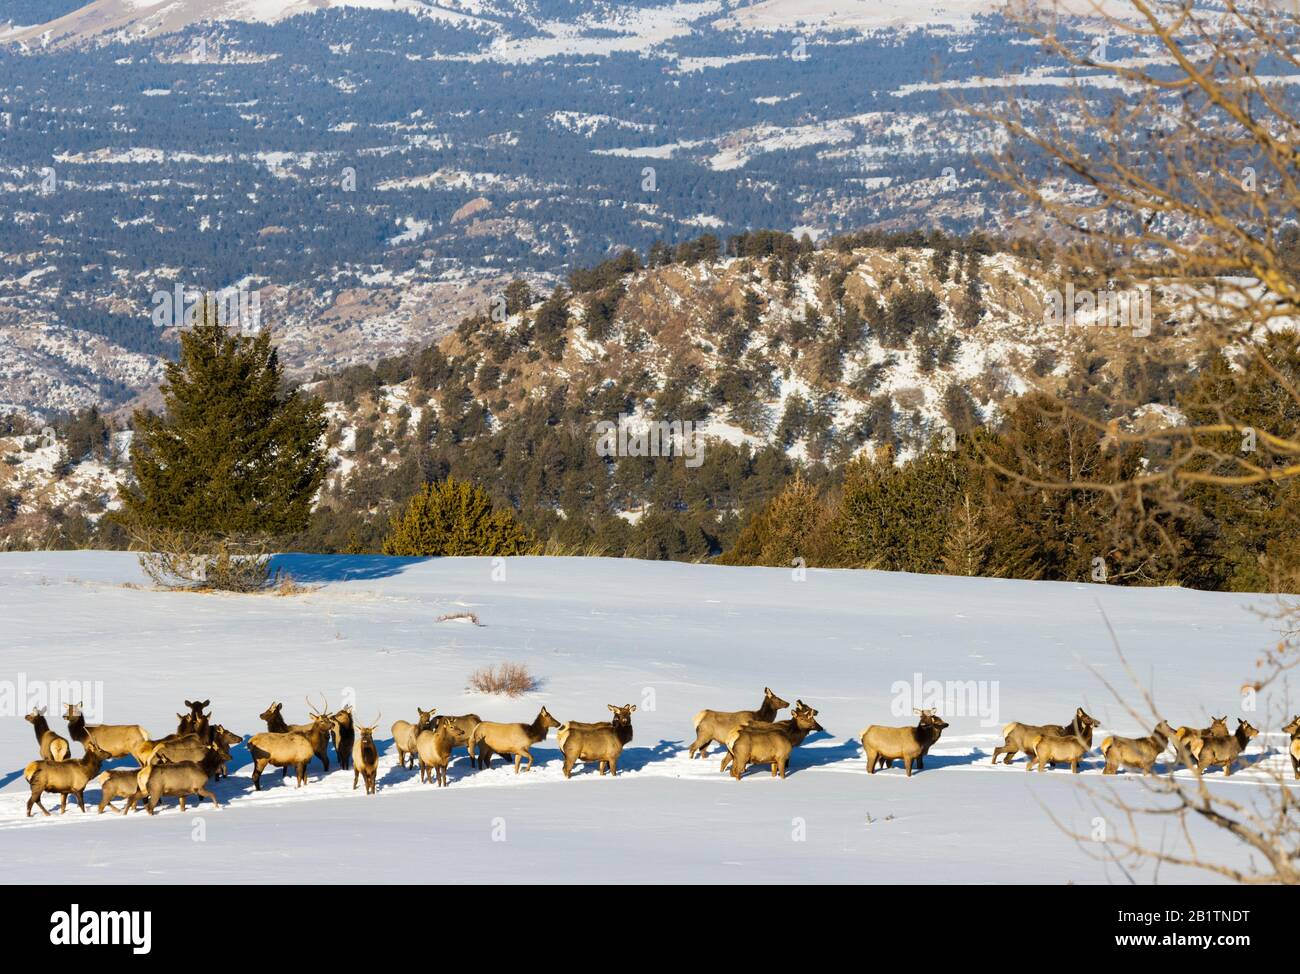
907 765
568 766
613 767
529 755
355 773
701 746
1074 767
210 797
81 800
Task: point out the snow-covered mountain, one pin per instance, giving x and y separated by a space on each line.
138 19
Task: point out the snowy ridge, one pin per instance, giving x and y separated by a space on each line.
672 638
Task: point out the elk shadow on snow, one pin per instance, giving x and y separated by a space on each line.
318 569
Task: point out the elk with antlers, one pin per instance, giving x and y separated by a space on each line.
906 744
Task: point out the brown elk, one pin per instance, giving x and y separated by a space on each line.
1218 728
718 725
490 738
602 742
434 745
275 724
1017 735
52 746
1293 729
345 735
1054 749
64 778
405 733
1136 752
178 747
461 727
787 725
119 784
227 739
906 744
764 743
287 749
115 740
1223 750
182 779
365 756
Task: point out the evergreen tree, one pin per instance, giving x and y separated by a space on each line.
792 525
1256 527
452 518
233 455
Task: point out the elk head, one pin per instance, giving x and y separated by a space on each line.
773 700
622 715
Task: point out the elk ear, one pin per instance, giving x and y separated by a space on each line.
632 707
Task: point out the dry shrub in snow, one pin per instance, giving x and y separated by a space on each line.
511 679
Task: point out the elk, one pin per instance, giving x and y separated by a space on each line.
52 746
1293 729
345 736
1017 735
717 725
320 742
181 779
1136 752
178 747
1054 749
1223 750
1218 728
64 778
788 725
763 743
434 746
227 739
905 744
515 739
364 754
461 727
119 784
115 740
196 721
602 742
287 749
405 733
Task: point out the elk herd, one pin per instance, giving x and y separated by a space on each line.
184 764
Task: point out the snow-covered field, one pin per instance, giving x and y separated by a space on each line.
671 638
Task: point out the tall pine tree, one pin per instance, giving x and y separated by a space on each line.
235 454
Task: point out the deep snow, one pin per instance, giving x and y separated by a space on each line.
674 637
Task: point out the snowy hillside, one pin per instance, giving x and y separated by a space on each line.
671 638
